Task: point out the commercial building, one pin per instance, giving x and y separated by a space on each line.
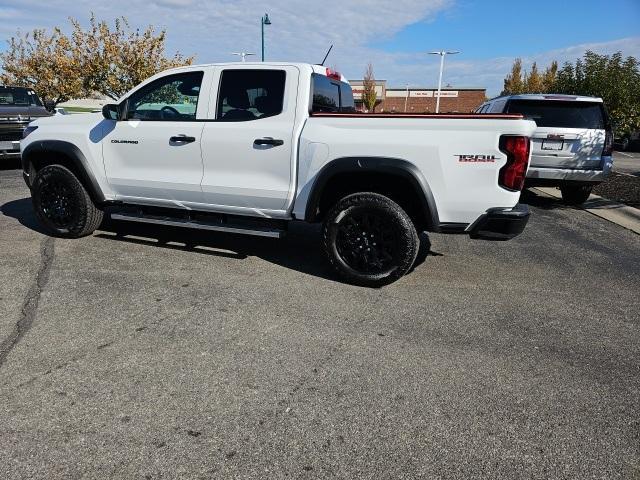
420 99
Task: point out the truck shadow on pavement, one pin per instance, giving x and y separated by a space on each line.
299 250
542 201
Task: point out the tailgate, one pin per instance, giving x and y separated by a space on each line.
567 148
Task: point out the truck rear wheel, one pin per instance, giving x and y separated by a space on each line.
62 204
575 194
369 239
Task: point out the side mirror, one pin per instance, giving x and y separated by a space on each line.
49 105
111 111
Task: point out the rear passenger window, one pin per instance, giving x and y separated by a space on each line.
331 95
250 94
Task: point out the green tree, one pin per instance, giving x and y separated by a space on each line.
369 96
613 78
565 79
514 84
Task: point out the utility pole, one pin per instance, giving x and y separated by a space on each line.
442 54
244 55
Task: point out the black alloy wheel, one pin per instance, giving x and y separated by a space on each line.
369 239
62 204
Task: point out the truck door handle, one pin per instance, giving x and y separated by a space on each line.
182 139
268 141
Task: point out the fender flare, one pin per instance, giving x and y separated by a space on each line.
393 166
74 154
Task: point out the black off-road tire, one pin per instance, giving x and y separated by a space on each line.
369 239
575 194
62 204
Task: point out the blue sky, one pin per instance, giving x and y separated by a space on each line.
393 35
486 29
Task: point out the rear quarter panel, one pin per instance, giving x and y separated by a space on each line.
462 190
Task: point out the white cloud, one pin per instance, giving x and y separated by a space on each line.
301 30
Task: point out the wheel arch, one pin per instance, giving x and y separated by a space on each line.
349 174
56 152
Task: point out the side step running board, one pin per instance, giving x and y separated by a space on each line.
217 227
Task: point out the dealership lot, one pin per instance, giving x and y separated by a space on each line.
156 353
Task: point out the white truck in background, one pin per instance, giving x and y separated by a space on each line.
247 148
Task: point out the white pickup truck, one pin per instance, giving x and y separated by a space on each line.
246 148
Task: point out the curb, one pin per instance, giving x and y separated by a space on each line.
618 213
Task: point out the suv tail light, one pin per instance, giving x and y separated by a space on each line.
607 151
516 148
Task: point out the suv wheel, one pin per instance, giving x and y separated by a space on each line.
369 239
624 144
575 194
62 204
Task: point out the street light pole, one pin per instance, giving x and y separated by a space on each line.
442 53
264 21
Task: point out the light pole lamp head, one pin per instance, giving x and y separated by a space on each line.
444 52
266 20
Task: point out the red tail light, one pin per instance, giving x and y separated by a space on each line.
512 174
607 151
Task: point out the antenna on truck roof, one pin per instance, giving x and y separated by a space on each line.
325 57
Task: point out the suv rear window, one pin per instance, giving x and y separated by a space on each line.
330 95
554 113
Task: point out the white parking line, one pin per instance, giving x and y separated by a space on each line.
625 154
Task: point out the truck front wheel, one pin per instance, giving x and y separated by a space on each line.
369 239
62 204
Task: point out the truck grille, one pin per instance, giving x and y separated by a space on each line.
11 136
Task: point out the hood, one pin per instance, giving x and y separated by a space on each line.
73 119
26 112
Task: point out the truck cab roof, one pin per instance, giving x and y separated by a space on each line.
318 69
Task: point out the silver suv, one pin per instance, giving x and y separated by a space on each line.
572 146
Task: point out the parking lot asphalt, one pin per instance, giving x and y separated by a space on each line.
128 354
627 162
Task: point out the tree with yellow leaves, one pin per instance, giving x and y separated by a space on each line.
369 96
100 59
44 62
115 60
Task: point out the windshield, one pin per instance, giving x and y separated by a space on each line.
18 96
554 113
